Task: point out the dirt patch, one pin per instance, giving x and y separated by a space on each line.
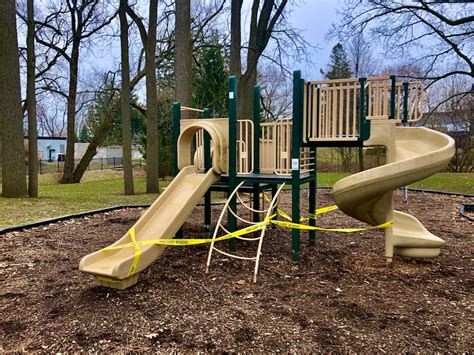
338 297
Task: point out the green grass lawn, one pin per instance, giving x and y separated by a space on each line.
459 183
98 189
101 189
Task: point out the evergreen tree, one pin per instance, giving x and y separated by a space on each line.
339 67
210 80
84 135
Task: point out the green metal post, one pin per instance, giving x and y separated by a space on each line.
232 221
256 149
207 166
295 162
364 126
312 199
393 78
176 131
405 103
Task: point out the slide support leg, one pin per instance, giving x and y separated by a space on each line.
312 208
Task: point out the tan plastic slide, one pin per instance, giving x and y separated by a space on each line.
413 153
162 220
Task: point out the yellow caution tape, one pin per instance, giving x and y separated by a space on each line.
256 227
283 214
137 244
311 215
138 251
178 242
107 279
326 209
342 230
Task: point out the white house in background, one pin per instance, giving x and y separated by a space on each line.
106 153
50 148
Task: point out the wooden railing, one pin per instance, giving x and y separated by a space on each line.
332 108
275 149
414 99
378 91
245 144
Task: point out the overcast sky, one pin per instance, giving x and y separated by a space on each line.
315 18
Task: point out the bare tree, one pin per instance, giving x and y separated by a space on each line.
454 117
11 120
267 22
67 27
359 52
262 24
51 120
152 176
148 38
276 92
125 102
31 103
183 53
426 34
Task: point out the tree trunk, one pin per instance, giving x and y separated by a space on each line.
68 173
247 82
183 54
235 38
99 137
361 158
152 182
125 103
249 78
13 161
31 104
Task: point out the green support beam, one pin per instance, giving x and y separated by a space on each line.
364 125
405 103
393 78
176 132
295 162
256 149
312 200
232 221
207 166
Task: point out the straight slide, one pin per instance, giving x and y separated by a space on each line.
413 153
119 268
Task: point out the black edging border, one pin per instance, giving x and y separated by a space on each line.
69 216
466 207
119 207
441 192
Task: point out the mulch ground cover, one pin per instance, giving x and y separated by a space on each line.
339 297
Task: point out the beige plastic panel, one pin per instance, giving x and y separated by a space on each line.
412 154
218 129
162 220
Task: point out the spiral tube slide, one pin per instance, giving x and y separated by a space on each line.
413 153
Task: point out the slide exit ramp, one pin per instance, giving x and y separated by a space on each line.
119 268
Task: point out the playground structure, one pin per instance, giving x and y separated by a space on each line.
228 154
